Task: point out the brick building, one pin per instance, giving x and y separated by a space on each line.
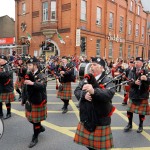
7 35
106 28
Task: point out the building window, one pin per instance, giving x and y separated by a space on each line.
143 30
121 24
131 5
129 51
83 45
98 47
137 30
83 10
138 10
45 11
110 49
130 27
99 13
23 8
136 51
53 10
111 19
120 50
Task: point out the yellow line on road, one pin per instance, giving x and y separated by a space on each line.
74 108
47 124
59 112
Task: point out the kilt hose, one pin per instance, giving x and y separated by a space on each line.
100 139
38 113
66 93
142 109
7 97
19 83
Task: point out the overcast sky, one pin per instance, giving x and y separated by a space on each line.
7 7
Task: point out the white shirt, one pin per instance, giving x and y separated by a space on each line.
98 76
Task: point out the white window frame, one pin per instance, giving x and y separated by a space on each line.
45 11
23 8
137 30
130 28
110 53
99 16
129 51
53 10
120 50
83 10
136 51
121 24
131 5
111 20
98 46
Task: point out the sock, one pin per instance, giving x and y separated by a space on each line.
36 128
66 103
130 117
1 108
8 106
126 98
141 119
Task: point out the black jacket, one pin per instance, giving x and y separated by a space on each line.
35 93
6 79
138 92
101 102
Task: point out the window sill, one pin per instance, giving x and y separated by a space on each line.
98 25
84 21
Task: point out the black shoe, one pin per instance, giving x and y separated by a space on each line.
42 129
33 142
7 116
128 128
63 107
140 129
124 103
65 110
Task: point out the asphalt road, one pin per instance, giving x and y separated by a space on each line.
60 128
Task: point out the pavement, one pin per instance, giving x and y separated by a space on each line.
60 128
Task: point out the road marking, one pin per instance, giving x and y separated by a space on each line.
47 124
60 112
74 108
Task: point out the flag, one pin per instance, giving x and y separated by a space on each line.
29 36
60 38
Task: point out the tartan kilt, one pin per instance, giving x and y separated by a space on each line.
38 113
101 138
18 84
66 93
142 109
7 97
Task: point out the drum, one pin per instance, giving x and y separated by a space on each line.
84 68
1 128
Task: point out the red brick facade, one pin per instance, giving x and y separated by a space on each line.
68 19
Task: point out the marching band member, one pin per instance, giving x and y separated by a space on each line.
35 98
127 86
65 93
20 72
6 86
93 130
138 95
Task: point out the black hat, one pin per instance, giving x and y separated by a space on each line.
98 60
64 57
139 59
32 60
3 57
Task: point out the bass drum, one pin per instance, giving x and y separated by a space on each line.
84 68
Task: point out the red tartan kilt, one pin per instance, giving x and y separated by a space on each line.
38 113
101 138
66 93
127 88
142 109
7 97
19 84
